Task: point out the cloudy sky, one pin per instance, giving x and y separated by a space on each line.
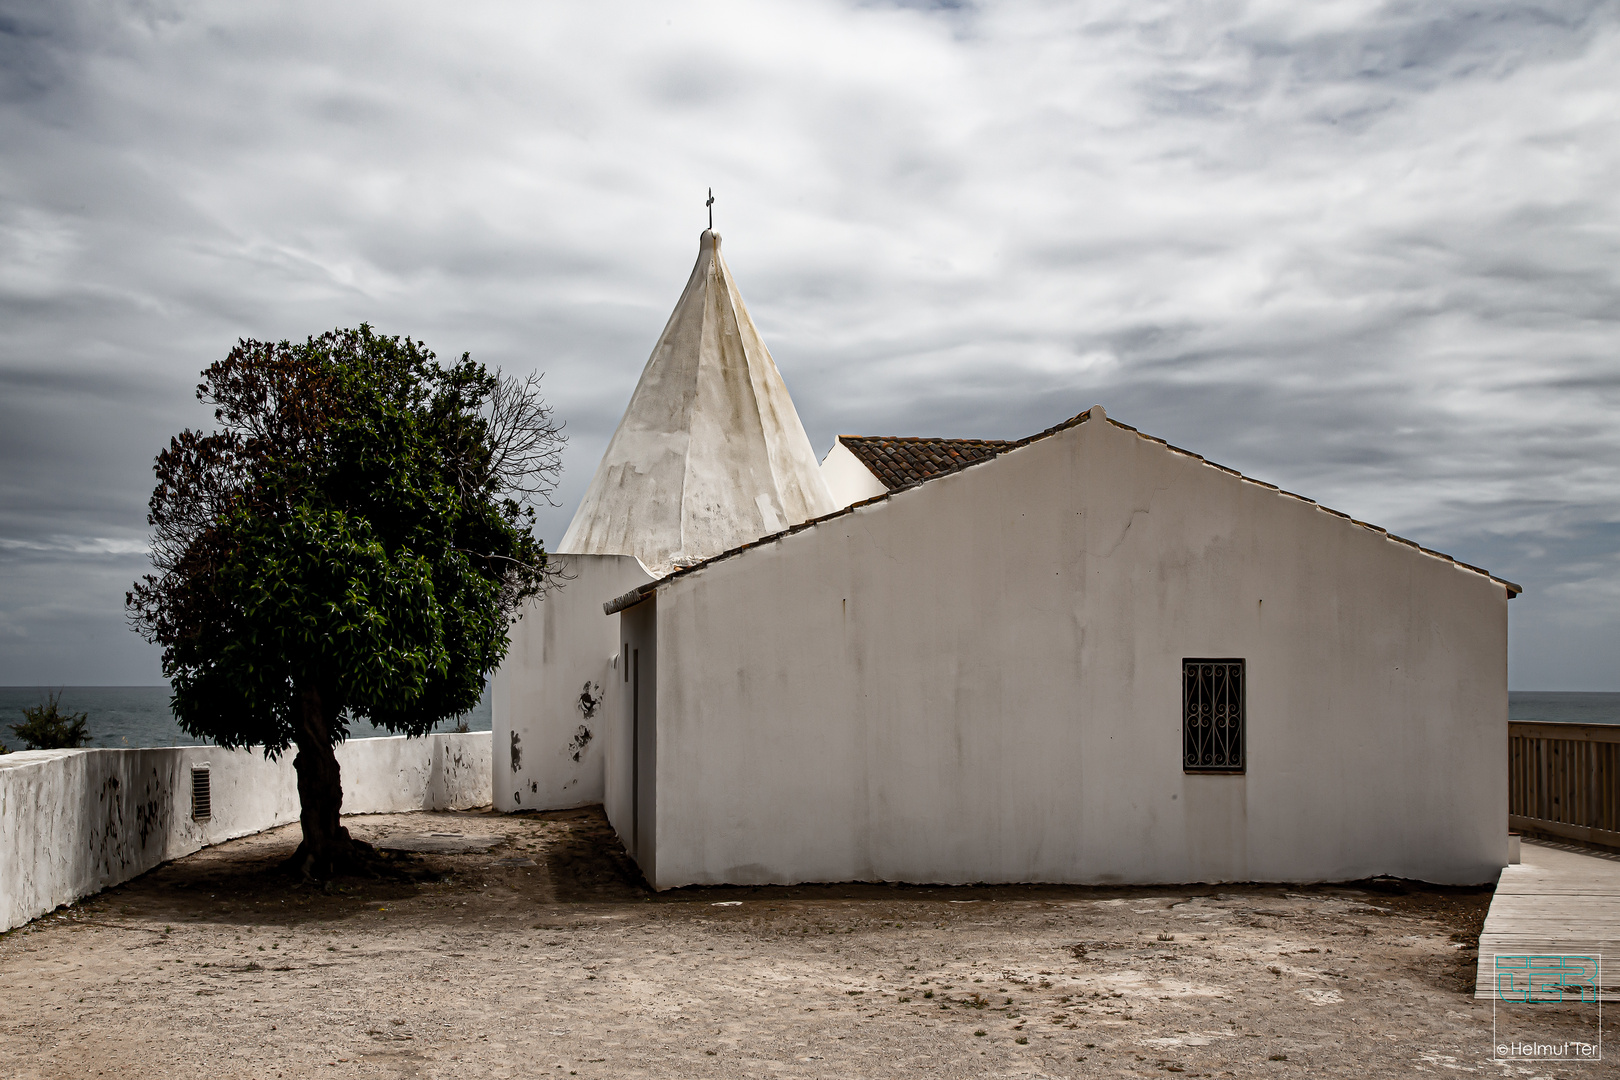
1366 251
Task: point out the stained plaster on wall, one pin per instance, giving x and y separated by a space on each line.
554 681
73 822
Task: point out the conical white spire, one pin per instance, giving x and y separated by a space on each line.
710 453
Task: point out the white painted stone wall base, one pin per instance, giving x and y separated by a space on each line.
74 822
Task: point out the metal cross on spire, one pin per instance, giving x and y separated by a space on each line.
710 205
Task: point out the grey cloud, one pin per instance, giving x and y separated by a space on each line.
1419 44
35 48
1361 252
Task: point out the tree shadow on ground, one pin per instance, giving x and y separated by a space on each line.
567 857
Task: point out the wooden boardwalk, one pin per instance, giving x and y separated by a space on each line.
1559 900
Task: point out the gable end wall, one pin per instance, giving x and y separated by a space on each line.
979 680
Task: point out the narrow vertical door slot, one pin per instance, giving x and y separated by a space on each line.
635 753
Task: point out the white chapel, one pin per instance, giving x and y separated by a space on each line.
1083 656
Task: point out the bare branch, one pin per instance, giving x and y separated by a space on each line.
526 442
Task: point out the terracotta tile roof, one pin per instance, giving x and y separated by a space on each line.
901 462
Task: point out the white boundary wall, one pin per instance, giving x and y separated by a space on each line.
74 822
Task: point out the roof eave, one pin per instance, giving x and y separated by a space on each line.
637 595
631 598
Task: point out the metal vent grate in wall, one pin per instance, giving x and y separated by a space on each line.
202 795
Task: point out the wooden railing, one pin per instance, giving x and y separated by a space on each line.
1564 780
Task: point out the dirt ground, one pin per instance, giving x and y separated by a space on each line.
543 955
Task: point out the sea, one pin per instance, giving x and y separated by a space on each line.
121 716
129 716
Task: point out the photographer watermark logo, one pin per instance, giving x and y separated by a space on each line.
1547 979
1541 979
1569 1050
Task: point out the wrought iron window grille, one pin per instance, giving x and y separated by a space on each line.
1214 735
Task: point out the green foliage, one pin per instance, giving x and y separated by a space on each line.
47 727
354 530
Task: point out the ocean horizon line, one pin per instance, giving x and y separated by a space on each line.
137 715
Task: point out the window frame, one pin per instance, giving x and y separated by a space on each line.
1190 750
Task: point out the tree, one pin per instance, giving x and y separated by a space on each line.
352 542
47 727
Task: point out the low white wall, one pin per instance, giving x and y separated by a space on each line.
393 775
74 822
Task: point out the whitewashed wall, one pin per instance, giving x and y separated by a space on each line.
74 822
631 794
979 679
616 747
547 748
848 479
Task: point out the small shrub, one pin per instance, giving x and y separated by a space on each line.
47 727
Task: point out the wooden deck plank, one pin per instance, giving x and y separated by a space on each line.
1559 900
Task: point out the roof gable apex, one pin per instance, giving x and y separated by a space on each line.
1096 412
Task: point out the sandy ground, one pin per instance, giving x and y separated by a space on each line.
542 955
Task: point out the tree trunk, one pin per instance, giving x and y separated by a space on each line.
327 850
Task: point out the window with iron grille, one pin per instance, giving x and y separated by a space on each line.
1212 727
